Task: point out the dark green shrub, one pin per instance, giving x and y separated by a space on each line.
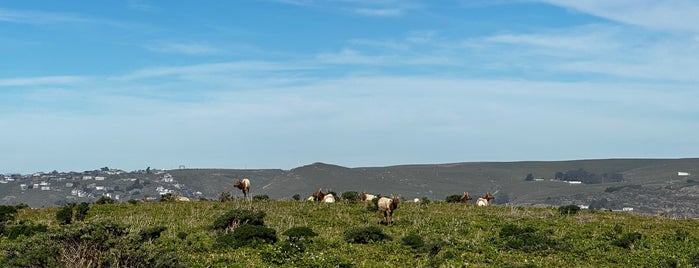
527 239
413 240
247 235
351 196
297 233
104 200
80 211
7 213
65 214
151 233
627 240
373 206
133 201
568 210
182 235
15 231
167 198
297 197
682 235
365 235
455 198
694 259
425 200
263 197
225 197
236 217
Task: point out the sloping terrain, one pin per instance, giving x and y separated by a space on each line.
649 186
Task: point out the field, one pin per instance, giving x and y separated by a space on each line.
431 234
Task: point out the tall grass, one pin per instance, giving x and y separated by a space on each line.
459 234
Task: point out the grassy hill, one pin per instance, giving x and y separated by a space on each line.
180 234
649 186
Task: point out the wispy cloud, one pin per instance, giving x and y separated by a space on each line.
189 48
673 15
42 81
39 17
379 12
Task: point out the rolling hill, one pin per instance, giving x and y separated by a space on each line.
648 186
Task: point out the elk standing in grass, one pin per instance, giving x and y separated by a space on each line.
243 185
386 207
366 197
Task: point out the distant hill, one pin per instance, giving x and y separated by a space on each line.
649 186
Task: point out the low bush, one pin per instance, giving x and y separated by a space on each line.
225 197
104 200
350 197
527 239
413 240
365 235
455 198
569 210
627 240
247 235
236 217
7 213
296 234
151 233
263 197
27 230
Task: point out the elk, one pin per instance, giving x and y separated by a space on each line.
386 207
465 198
485 200
366 197
243 185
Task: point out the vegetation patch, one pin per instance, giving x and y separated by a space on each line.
527 238
237 217
247 235
568 210
365 235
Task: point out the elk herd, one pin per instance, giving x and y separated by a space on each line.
385 205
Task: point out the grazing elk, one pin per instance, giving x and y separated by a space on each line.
485 200
386 207
465 198
318 195
366 197
243 185
329 198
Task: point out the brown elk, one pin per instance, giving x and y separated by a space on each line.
485 200
243 185
386 207
465 198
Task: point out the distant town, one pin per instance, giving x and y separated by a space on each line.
116 184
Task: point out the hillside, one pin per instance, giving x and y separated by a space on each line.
648 186
184 234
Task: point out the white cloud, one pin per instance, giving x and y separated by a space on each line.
672 15
190 48
38 17
379 12
42 81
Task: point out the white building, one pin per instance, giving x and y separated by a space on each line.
99 178
682 173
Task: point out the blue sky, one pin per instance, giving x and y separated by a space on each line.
284 83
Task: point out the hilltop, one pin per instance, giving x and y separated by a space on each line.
667 187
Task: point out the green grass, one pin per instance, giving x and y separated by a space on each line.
460 235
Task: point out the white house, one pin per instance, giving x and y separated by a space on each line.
575 182
99 178
682 173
